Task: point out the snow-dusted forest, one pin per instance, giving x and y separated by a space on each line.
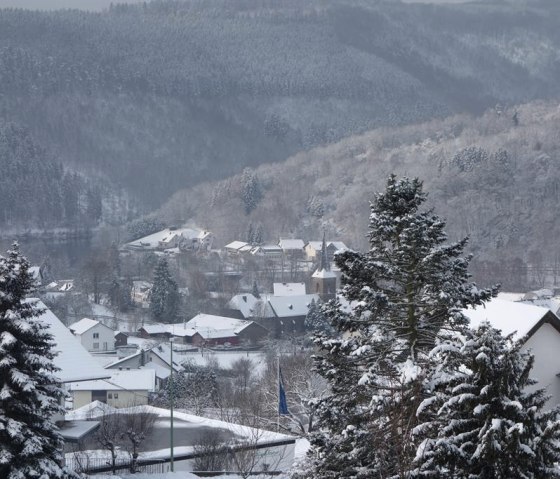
279 238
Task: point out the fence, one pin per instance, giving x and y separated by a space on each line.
89 465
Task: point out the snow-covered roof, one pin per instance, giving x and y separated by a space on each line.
158 328
323 273
204 234
549 303
74 362
211 333
122 360
133 380
288 289
178 329
141 343
286 306
507 316
83 325
290 244
181 332
236 245
244 303
163 236
318 245
93 409
161 371
163 351
204 323
266 249
508 296
339 245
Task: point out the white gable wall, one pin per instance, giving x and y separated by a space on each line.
99 338
544 345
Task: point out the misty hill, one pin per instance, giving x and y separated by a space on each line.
495 178
161 96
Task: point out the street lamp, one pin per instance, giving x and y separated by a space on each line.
171 404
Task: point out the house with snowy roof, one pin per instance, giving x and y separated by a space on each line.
241 306
73 360
221 330
122 389
159 355
185 239
313 249
94 335
539 330
74 363
268 251
236 248
281 315
164 332
293 249
289 313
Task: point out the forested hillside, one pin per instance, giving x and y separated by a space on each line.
495 178
38 192
161 96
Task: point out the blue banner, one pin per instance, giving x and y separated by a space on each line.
282 403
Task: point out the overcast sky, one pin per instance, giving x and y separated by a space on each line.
54 4
103 4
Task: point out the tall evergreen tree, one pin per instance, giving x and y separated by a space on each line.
30 393
407 288
164 297
316 321
483 420
251 191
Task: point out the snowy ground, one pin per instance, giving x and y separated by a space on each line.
279 457
178 475
224 358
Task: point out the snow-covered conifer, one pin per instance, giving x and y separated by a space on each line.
251 191
483 420
164 296
30 444
407 288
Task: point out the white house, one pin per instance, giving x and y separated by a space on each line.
537 327
73 361
94 335
122 389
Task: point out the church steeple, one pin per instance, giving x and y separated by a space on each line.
325 263
323 280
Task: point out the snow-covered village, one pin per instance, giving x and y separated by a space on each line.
279 239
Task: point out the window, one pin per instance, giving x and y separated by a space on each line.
95 335
109 396
105 346
95 345
116 395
